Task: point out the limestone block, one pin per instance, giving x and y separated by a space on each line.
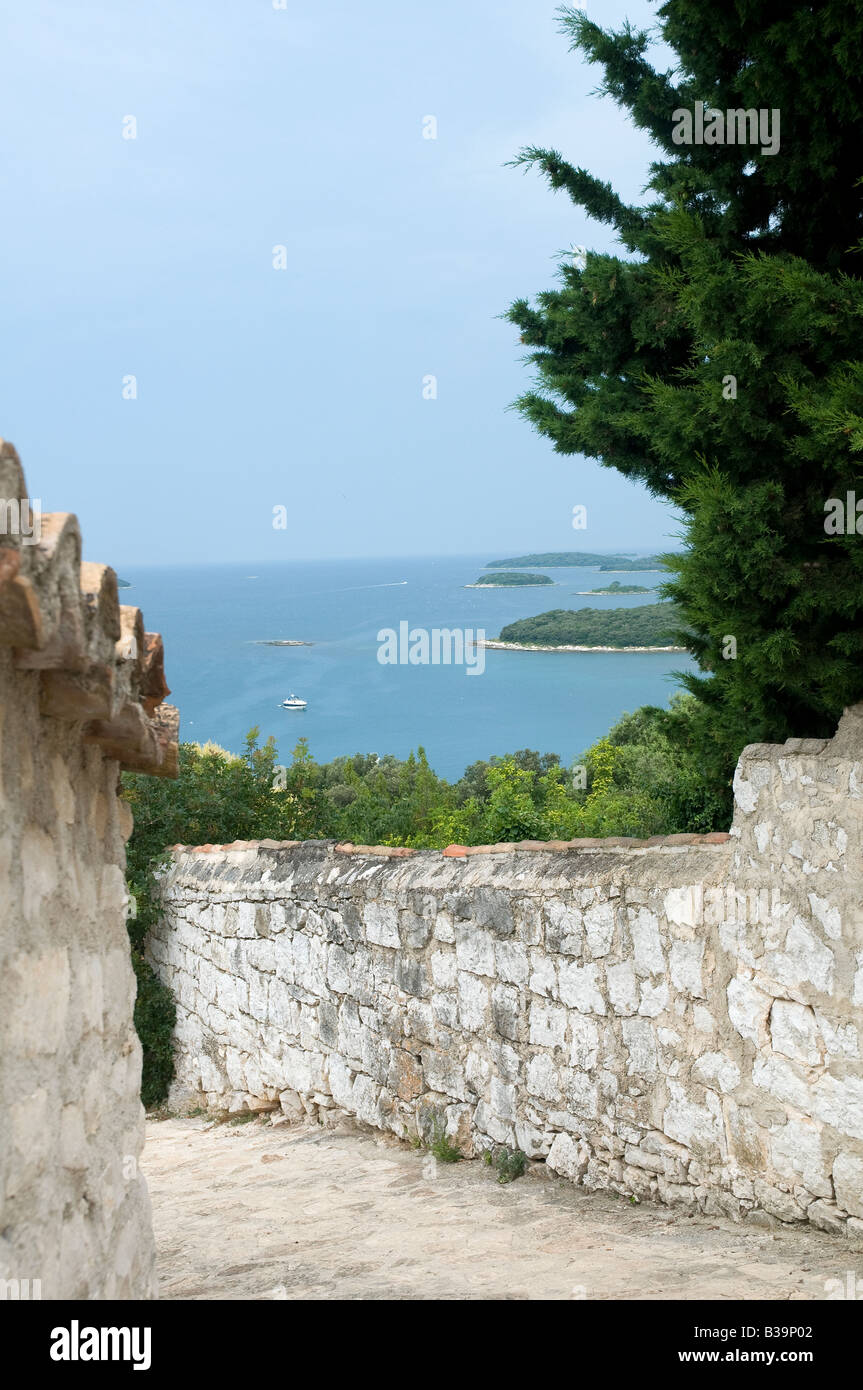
646 942
298 1071
542 1078
506 1010
584 1052
564 927
405 1075
543 975
511 962
533 1142
748 1010
410 975
414 930
828 915
783 1080
446 1009
826 1216
502 1099
547 1024
653 998
857 991
848 1182
579 988
717 1071
698 1127
684 965
622 988
418 1021
382 924
444 968
797 1152
684 906
569 1157
474 950
794 1032
473 1002
838 1101
804 961
582 1096
640 1042
599 928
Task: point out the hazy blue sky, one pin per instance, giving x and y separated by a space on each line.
303 387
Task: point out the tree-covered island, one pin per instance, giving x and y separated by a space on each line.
654 625
579 559
615 587
509 579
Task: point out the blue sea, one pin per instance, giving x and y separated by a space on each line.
212 618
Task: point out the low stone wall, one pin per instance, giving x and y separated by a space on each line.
675 1019
81 687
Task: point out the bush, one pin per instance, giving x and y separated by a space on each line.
155 1017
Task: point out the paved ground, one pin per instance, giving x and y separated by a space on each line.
256 1211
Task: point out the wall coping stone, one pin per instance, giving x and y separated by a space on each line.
467 851
62 618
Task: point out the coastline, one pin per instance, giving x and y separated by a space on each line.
509 586
524 647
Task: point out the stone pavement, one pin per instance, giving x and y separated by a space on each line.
273 1211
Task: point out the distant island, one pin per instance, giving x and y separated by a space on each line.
649 628
123 584
615 587
508 579
577 559
280 642
652 563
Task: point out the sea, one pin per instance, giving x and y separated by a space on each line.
216 618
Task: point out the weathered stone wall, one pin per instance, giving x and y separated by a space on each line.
80 683
674 1019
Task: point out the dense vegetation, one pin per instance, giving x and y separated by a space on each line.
651 625
615 587
578 559
644 778
716 359
512 578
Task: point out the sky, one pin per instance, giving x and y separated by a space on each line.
301 389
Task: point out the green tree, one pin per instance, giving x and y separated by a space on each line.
716 360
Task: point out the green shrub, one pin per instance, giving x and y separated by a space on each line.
155 1016
508 1163
440 1146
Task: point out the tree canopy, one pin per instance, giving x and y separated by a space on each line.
715 360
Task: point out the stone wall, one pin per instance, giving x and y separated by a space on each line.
81 686
675 1019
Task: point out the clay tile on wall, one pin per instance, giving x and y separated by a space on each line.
62 618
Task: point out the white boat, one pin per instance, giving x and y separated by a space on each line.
293 702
